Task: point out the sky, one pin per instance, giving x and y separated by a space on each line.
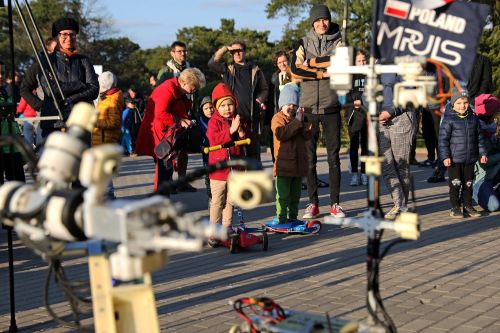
152 23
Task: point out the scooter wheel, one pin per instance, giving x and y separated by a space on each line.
235 329
233 244
315 225
265 241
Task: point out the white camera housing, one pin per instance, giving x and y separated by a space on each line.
250 189
341 58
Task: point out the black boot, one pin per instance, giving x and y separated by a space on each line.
456 212
471 211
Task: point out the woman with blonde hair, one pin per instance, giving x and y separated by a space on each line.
166 109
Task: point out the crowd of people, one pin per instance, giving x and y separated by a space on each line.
296 104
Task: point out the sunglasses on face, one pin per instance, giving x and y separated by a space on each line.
237 51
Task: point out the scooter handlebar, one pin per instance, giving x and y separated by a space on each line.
246 141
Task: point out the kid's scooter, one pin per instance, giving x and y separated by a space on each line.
293 226
240 236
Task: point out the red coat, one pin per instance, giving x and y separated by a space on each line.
165 102
24 108
217 134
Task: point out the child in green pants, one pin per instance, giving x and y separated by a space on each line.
290 133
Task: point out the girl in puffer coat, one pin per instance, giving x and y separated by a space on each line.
461 144
224 126
109 120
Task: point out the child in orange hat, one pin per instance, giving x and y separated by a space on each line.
225 126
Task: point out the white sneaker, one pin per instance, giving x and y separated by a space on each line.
364 179
355 181
393 213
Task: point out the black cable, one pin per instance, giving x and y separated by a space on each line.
391 244
388 323
373 273
248 164
46 300
56 267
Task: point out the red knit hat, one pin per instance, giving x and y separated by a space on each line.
220 91
486 105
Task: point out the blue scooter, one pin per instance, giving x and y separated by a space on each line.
293 226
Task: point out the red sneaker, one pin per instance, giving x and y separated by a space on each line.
337 211
312 212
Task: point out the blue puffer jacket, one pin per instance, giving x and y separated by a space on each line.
460 138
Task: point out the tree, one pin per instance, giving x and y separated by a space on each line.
359 19
122 57
490 42
202 42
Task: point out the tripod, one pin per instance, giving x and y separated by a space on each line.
11 165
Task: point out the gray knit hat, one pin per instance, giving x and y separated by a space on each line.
456 94
205 100
319 11
107 80
289 95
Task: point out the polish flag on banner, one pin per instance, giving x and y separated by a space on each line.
430 4
397 9
448 34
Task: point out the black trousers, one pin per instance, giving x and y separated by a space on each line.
429 134
331 132
253 149
11 167
460 181
164 172
358 138
437 122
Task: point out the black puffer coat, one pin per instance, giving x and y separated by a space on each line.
77 78
460 138
356 118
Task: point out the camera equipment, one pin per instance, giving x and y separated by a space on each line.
411 92
250 189
125 240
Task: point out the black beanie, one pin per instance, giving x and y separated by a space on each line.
319 11
64 23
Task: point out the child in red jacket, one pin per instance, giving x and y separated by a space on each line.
225 126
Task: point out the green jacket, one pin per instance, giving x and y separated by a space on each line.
170 70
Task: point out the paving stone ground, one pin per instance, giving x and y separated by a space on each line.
448 280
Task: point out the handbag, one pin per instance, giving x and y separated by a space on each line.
177 139
165 148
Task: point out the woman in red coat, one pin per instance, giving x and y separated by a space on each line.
167 107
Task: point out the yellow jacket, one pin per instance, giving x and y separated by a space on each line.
109 121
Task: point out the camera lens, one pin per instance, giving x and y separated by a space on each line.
246 195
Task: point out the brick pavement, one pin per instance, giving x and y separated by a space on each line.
448 280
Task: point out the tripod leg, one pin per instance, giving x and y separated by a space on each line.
13 324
